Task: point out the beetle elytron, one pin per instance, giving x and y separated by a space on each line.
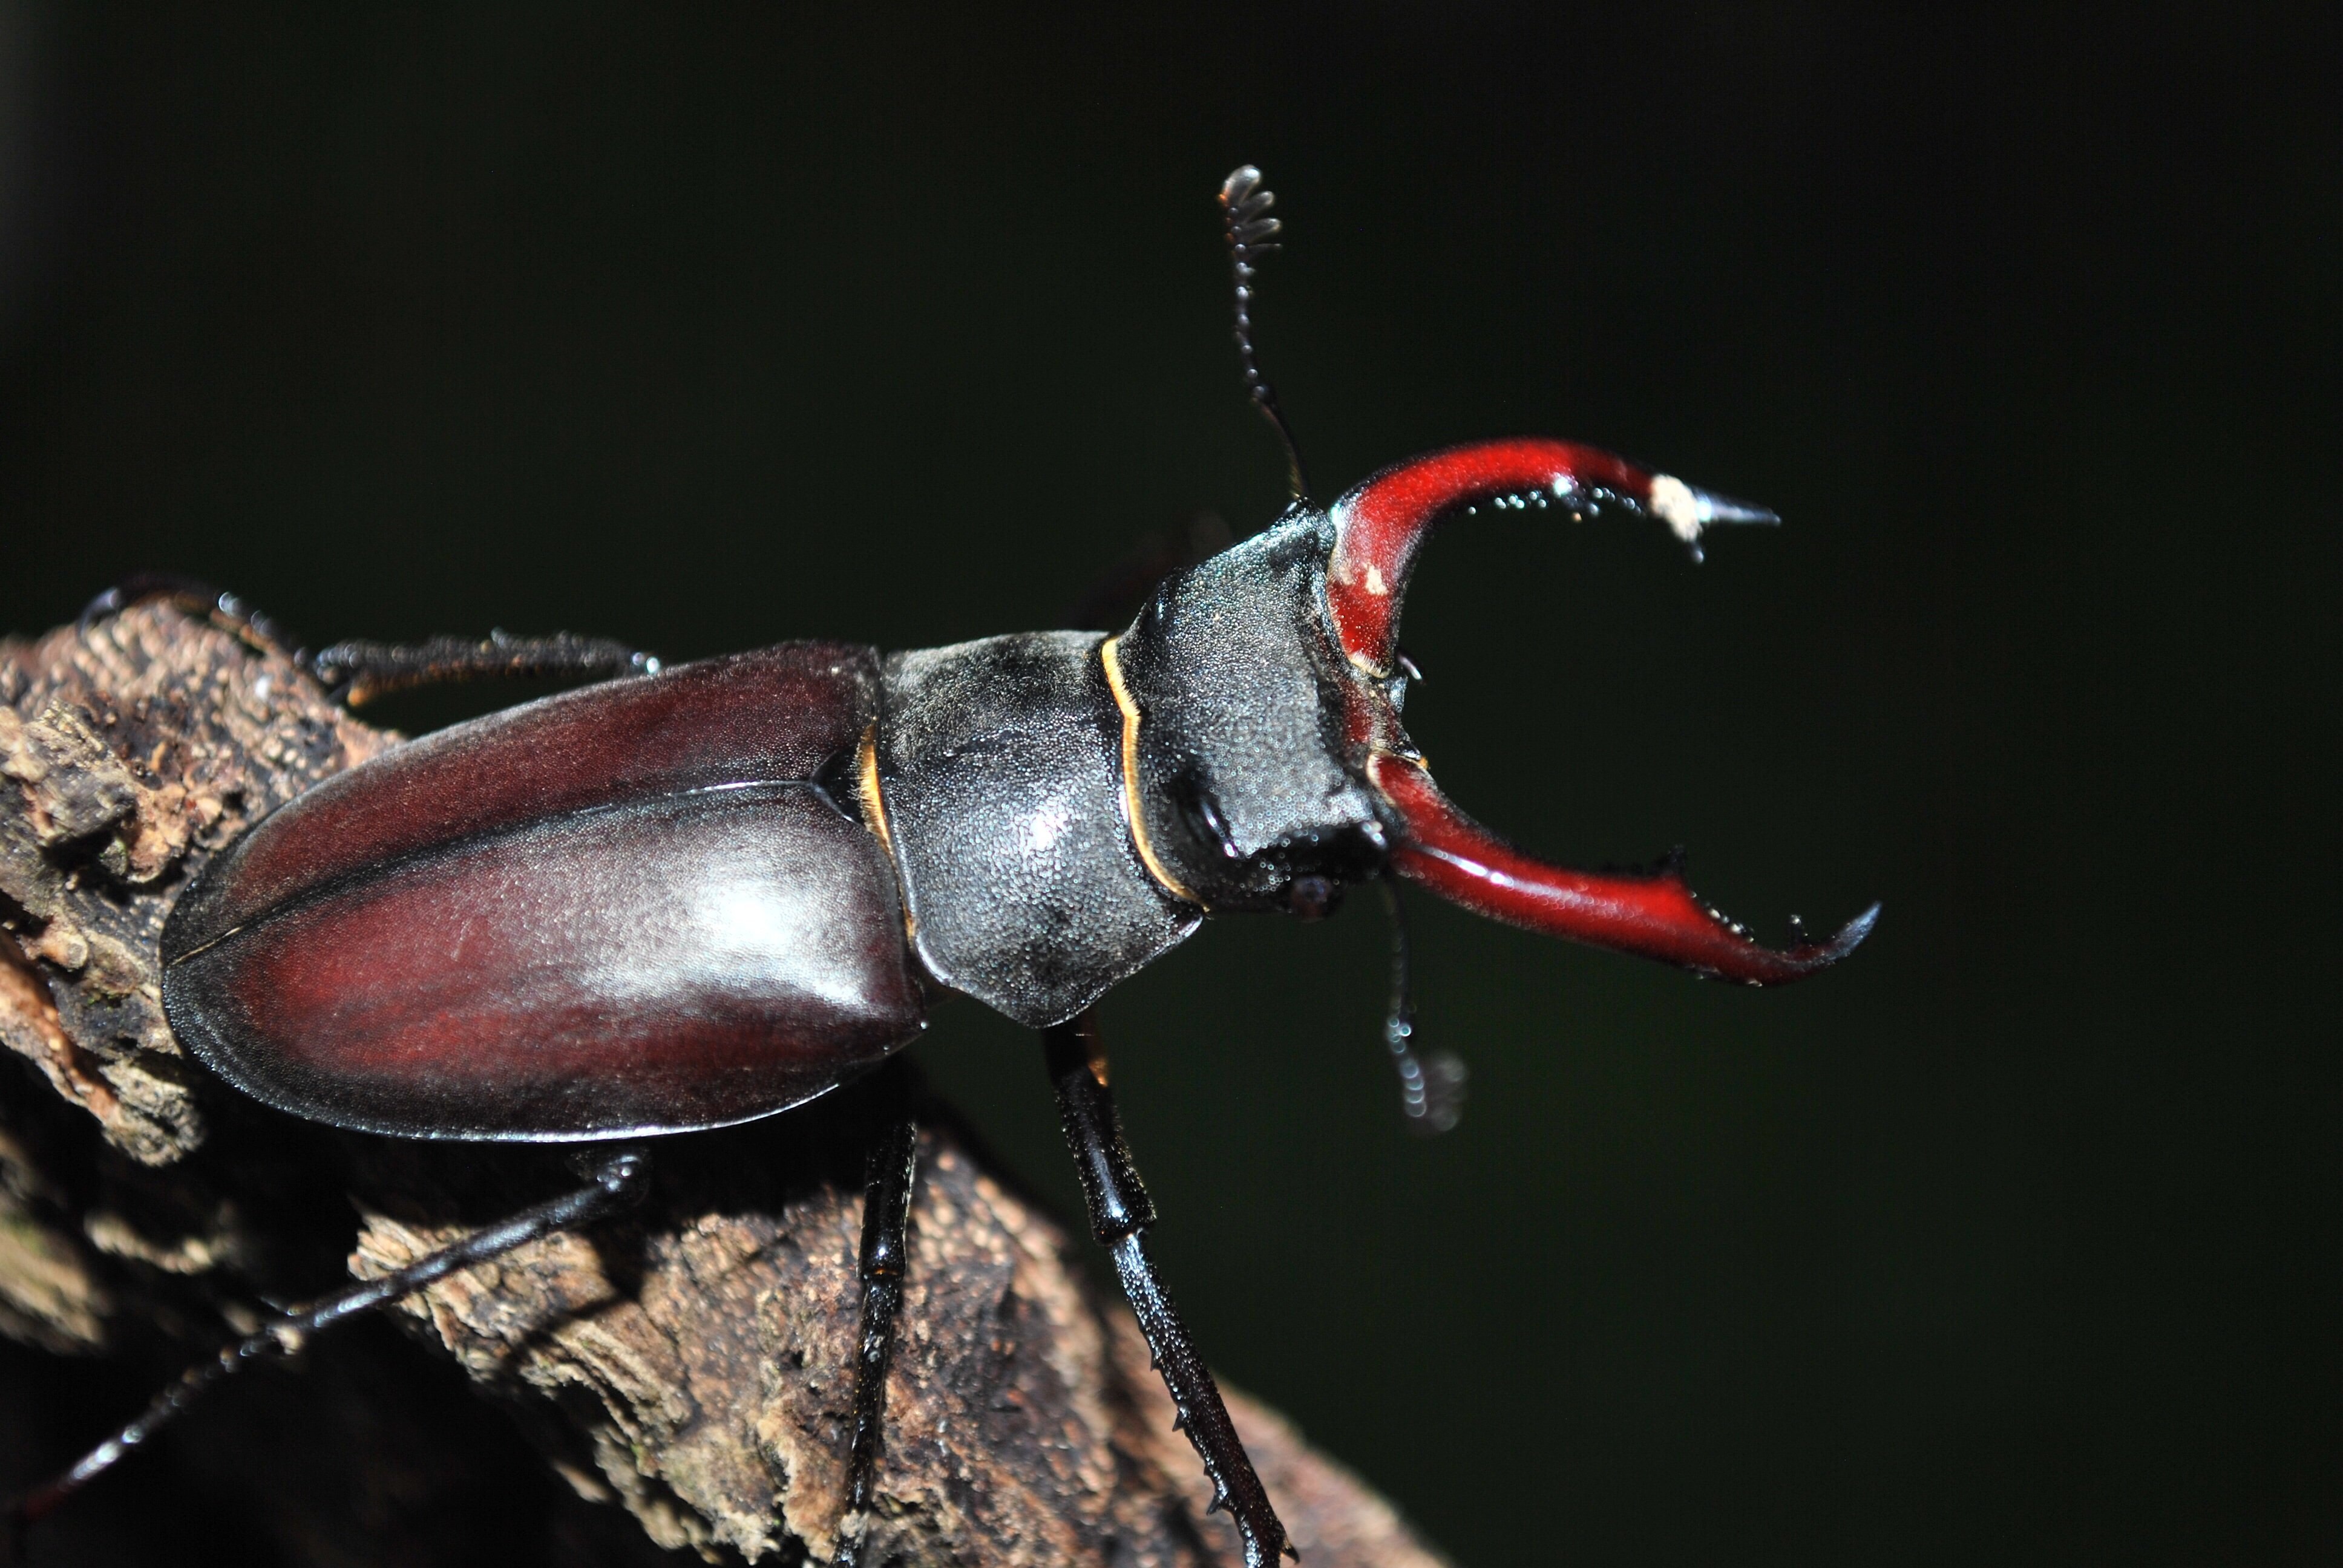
713 892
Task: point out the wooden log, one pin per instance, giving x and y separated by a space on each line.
688 1362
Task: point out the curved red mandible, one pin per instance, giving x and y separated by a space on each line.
1381 523
1656 916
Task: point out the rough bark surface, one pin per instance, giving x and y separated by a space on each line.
689 1362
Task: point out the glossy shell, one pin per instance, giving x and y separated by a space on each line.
1001 763
628 909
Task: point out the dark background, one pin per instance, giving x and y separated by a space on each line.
708 327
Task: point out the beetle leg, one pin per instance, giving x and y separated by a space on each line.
358 672
225 610
1120 1212
886 1223
620 1179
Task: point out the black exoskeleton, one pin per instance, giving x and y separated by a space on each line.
712 892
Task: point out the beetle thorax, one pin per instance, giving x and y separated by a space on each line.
1246 792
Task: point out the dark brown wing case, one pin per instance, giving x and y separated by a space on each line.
625 909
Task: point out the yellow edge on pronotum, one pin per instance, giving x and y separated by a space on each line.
1155 868
874 811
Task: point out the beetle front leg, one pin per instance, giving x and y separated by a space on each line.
1120 1212
886 1233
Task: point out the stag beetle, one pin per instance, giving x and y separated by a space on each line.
709 893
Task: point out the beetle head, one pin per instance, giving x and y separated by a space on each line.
1271 767
1250 796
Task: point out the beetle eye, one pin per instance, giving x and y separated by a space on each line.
1206 813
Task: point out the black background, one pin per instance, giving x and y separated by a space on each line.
707 327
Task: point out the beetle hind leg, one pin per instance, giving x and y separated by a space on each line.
358 672
227 611
1120 1211
886 1234
619 1180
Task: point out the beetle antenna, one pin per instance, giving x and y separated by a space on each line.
1253 234
1431 1092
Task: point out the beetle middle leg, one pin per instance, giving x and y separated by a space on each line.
1120 1211
620 1178
894 1160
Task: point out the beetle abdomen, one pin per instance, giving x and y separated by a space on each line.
675 943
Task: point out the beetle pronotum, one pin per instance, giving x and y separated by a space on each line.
706 894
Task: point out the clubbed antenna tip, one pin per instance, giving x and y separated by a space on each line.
1430 1088
1253 234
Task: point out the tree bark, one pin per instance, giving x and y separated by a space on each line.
689 1362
